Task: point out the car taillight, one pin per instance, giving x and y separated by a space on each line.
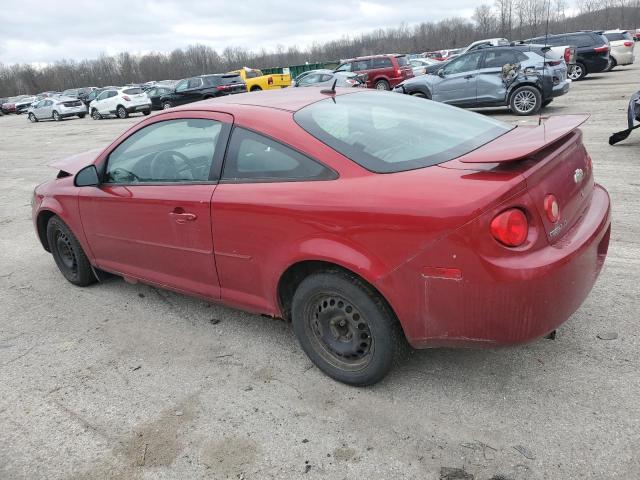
628 44
510 227
126 99
602 49
270 80
222 87
567 55
398 72
551 208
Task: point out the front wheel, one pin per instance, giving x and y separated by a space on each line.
146 112
68 254
525 100
56 116
32 118
166 105
122 112
81 115
345 328
95 114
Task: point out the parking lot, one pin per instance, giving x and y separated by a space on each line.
131 382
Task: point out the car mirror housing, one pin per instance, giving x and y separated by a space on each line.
441 73
87 177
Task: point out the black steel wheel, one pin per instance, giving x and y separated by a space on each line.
68 254
345 328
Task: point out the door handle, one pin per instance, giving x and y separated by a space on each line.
180 216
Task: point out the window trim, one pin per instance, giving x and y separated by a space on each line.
214 170
334 174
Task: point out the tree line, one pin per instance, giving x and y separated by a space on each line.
512 19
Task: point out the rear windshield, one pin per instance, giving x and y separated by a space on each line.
615 36
133 91
229 79
402 61
390 132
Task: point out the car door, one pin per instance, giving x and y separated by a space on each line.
458 85
150 218
491 88
252 212
180 96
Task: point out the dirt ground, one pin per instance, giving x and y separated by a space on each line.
129 382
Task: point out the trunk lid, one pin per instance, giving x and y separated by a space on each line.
551 159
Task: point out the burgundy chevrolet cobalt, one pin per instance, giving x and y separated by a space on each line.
368 219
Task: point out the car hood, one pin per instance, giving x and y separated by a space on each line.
74 163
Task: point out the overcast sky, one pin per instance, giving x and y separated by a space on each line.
48 30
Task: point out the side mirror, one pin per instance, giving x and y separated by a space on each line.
87 177
441 73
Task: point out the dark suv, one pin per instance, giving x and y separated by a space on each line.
592 49
383 71
202 87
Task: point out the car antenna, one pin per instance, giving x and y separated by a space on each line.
332 90
544 57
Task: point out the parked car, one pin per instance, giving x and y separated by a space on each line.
477 79
326 79
56 108
255 80
489 42
636 35
79 93
203 87
420 65
24 104
120 102
8 107
622 48
281 183
592 50
383 71
156 93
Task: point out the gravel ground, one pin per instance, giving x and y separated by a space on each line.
130 382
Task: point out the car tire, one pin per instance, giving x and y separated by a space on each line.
68 254
146 112
345 328
56 116
166 105
525 100
81 115
121 112
95 114
420 95
256 88
382 85
32 118
577 72
546 102
612 64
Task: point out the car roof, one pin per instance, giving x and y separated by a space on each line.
367 57
289 99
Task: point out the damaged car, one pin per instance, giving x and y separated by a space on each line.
525 78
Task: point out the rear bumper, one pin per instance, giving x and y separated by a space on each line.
561 88
624 57
138 108
512 299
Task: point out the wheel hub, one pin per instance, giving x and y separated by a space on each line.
66 252
341 329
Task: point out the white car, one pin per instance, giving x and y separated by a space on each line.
622 46
56 108
120 102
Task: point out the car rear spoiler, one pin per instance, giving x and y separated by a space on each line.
507 149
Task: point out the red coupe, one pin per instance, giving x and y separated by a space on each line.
367 218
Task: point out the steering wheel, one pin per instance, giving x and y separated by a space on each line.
164 165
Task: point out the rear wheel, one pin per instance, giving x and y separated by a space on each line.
68 253
166 105
122 112
32 118
577 72
345 328
95 114
56 116
382 85
81 115
146 112
612 64
525 100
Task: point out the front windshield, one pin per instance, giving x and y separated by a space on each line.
388 132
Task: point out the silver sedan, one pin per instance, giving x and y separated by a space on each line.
326 78
56 108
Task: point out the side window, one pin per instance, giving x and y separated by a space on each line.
463 64
498 58
382 62
102 96
253 157
361 65
181 86
170 151
559 40
112 94
310 79
326 77
194 83
521 57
